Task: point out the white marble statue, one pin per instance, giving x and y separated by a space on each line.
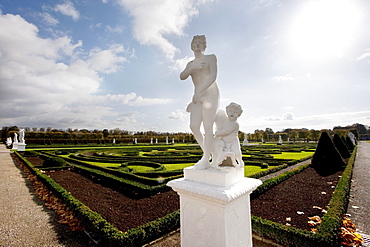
227 142
151 140
166 140
280 140
245 142
205 102
9 141
21 136
15 140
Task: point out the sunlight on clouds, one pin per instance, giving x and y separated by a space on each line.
324 28
287 77
37 81
68 9
48 19
154 19
365 55
106 61
131 99
179 115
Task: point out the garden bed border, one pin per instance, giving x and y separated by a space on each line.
328 230
106 233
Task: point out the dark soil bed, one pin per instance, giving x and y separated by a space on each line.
305 192
36 161
299 193
121 211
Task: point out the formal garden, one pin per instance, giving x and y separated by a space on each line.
118 193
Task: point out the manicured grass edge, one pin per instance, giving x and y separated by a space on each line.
327 234
107 234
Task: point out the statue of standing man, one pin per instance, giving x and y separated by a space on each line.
205 102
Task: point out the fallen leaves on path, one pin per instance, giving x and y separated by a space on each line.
348 234
65 214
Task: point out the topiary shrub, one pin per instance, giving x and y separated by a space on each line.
327 159
264 165
349 144
342 148
54 162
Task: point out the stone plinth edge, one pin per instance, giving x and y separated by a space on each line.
217 194
22 147
214 176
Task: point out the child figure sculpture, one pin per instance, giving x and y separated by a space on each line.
227 151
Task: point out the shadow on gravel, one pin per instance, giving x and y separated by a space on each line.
66 236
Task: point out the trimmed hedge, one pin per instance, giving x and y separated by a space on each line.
328 230
268 184
119 174
107 234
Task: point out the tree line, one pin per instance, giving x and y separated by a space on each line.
76 136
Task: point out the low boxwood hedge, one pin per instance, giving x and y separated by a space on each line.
107 234
328 230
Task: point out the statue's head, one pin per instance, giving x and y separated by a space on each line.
199 39
234 111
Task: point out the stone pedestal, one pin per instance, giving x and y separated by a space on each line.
15 145
215 207
21 147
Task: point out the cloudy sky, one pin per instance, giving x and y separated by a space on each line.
116 63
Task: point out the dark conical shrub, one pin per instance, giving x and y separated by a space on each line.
327 159
350 144
342 148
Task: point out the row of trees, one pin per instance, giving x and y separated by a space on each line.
98 136
49 135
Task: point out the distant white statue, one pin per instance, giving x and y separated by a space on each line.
280 140
245 142
21 136
173 140
166 140
227 142
156 140
9 141
205 102
263 141
151 140
15 140
114 141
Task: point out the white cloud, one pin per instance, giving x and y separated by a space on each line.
365 55
68 9
106 61
288 116
181 63
116 29
50 81
317 122
131 99
287 77
153 20
48 19
178 114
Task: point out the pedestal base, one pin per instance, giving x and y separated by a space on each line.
215 214
15 146
22 147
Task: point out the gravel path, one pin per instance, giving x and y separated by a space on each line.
24 219
359 204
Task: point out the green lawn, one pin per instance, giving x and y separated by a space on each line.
293 155
249 170
170 167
